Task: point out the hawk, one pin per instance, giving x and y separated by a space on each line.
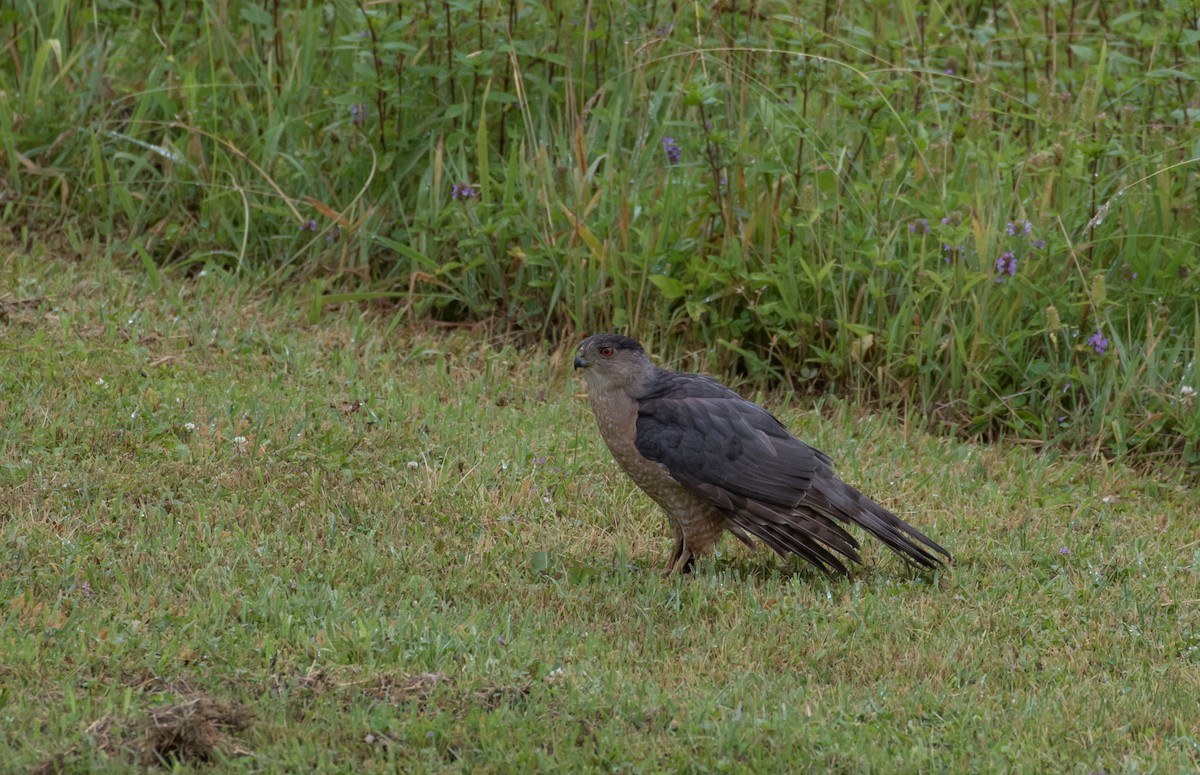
714 462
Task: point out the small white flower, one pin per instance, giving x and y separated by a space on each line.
189 426
555 675
100 382
1107 499
1187 391
503 465
239 440
133 415
413 465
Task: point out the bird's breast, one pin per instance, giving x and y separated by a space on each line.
616 416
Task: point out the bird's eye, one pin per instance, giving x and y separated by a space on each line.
607 351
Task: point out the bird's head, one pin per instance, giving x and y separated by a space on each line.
608 359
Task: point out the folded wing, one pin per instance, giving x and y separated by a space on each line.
736 455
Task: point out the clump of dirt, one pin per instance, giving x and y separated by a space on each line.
194 730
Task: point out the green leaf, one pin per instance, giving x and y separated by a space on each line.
1170 74
256 16
1084 54
149 265
669 287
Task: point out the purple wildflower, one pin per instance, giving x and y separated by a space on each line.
539 461
1064 551
921 224
1011 228
1006 265
310 225
464 191
1039 244
1098 342
358 113
335 234
946 220
674 152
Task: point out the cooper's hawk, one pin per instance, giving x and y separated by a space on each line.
715 461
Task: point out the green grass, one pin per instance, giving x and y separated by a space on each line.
847 179
360 547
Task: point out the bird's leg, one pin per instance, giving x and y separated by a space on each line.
677 552
684 560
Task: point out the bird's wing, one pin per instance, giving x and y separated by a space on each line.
737 456
721 446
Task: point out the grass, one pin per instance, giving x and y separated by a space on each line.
853 185
234 533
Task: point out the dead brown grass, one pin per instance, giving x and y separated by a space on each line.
194 730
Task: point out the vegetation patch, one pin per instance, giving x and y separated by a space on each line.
979 215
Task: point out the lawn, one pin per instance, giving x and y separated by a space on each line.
239 532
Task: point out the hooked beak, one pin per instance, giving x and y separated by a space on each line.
580 363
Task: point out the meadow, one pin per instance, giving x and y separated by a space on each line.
294 475
234 534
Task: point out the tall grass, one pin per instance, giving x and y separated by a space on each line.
983 213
